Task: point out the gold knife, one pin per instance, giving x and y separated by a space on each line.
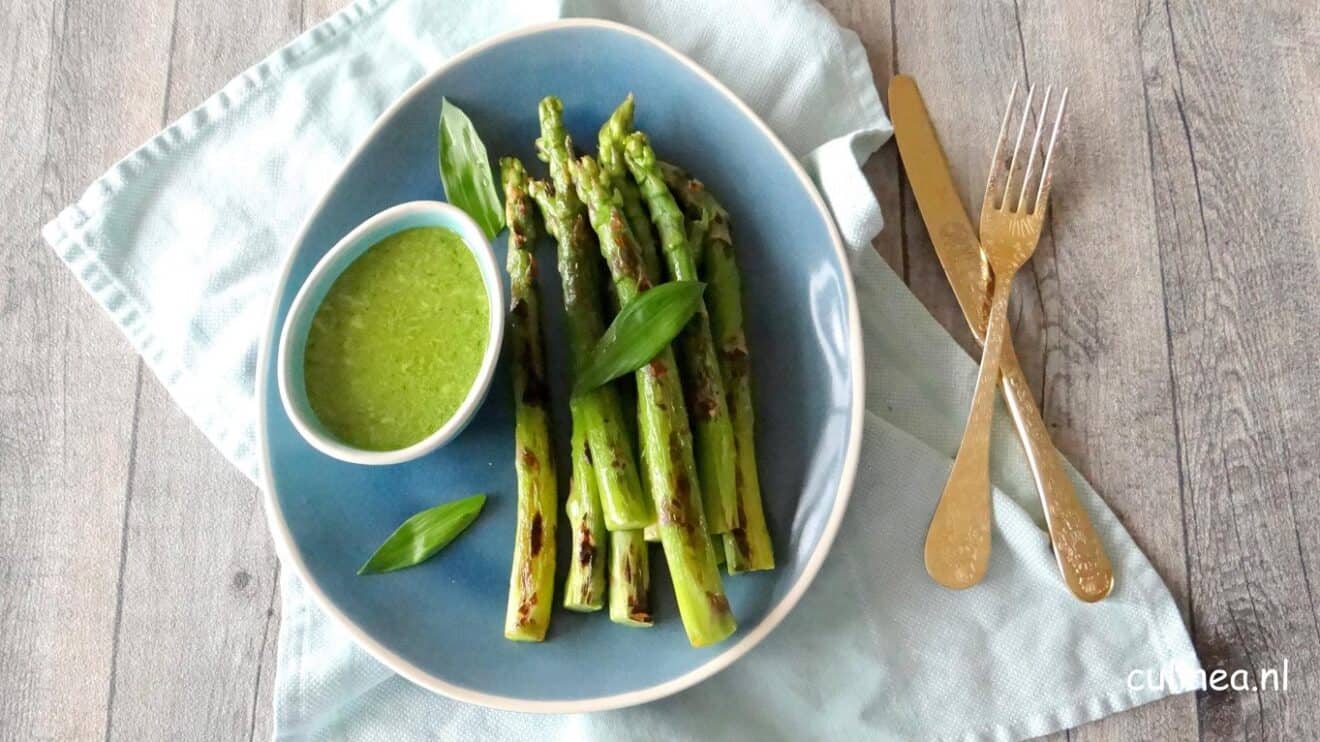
1077 548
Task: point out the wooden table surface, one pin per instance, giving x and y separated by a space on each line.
1169 321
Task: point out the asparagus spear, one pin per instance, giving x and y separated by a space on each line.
709 411
630 568
610 145
747 544
630 579
624 502
532 578
629 573
671 471
584 587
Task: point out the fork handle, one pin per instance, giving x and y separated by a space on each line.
958 542
1077 548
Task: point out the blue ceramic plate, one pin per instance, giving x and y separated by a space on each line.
441 624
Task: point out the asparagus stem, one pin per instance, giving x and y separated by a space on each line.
610 146
748 543
532 577
622 498
716 450
630 579
671 470
584 587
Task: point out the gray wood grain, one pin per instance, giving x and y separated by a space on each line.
1234 139
76 97
1173 349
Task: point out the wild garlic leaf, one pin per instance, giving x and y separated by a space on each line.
465 170
422 535
639 332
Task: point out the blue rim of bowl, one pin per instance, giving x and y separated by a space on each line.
288 551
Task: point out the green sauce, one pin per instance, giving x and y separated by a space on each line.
397 343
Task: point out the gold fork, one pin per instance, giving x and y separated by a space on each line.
958 542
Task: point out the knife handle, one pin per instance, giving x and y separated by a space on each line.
1077 547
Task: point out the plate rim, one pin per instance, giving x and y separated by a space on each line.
290 555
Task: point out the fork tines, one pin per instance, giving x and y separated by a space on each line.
1003 185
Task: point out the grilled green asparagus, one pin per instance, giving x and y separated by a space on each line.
671 469
630 579
622 497
747 544
629 569
532 578
584 587
705 393
610 150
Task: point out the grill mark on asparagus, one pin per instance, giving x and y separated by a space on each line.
536 534
702 386
736 356
740 542
703 407
639 609
739 530
639 601
677 506
534 388
586 546
704 404
529 595
522 215
582 233
718 603
625 262
529 459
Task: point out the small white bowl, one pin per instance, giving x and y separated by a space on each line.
293 336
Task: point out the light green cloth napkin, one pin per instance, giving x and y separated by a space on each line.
181 241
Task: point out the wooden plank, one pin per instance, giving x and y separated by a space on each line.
199 591
200 585
1236 147
315 11
79 91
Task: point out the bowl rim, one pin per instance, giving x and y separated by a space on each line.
290 555
390 222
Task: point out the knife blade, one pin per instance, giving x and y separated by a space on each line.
956 244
